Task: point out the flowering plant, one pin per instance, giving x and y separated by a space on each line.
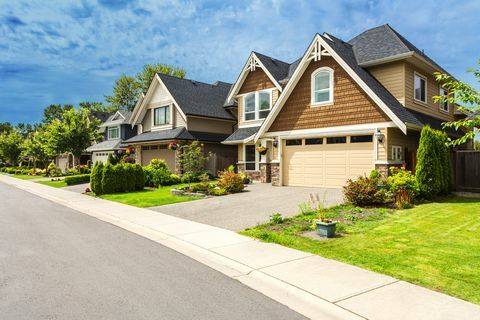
173 145
262 150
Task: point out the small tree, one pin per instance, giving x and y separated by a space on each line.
108 179
192 159
33 146
96 178
11 146
467 99
433 172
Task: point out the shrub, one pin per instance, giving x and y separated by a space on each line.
108 179
276 218
89 164
158 164
71 172
375 174
120 178
190 177
53 170
363 191
96 178
174 179
217 192
403 184
77 179
139 177
433 170
230 181
130 179
112 159
162 177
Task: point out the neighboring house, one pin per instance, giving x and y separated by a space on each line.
340 111
116 129
67 160
178 111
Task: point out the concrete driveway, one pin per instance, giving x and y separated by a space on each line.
247 209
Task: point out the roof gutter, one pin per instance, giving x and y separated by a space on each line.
396 57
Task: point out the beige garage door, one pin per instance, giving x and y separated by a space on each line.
325 164
158 152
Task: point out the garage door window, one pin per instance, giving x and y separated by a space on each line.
293 142
314 141
360 139
333 140
250 158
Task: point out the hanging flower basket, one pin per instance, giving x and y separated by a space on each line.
262 150
173 145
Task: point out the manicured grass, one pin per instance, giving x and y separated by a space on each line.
55 184
26 176
148 197
436 245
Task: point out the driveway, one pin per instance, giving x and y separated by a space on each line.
247 209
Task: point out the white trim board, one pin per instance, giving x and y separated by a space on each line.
319 41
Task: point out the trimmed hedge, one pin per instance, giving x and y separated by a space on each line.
122 177
96 178
79 178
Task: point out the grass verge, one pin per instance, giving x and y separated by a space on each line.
55 184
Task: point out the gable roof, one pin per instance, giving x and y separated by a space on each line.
180 133
118 118
197 98
384 42
277 68
344 54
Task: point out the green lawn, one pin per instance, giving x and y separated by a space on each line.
26 176
148 197
436 245
55 184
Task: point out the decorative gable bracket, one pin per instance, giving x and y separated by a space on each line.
253 63
317 52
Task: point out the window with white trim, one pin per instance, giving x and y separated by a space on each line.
161 116
443 104
257 105
113 133
420 88
251 159
397 153
322 86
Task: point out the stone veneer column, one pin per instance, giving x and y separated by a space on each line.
138 154
178 167
383 169
275 173
265 173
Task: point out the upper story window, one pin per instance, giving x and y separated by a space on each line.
257 105
322 86
114 133
444 104
161 116
420 88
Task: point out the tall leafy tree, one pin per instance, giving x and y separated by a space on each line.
55 111
97 106
125 93
5 127
34 146
11 144
467 99
74 133
145 76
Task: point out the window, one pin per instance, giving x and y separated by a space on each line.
114 133
420 88
322 86
293 142
444 104
161 116
257 105
359 139
333 140
250 158
397 153
314 141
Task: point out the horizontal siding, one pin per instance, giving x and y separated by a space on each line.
240 152
395 137
351 105
391 76
382 147
178 119
430 108
210 125
256 80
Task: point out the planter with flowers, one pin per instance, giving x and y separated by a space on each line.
262 150
173 145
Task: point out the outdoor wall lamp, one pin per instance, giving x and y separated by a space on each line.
379 136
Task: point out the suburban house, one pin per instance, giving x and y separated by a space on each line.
176 111
340 111
67 160
115 130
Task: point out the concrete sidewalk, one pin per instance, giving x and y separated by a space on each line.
311 285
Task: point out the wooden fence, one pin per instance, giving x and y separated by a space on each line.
467 170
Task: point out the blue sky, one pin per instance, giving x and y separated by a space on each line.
57 52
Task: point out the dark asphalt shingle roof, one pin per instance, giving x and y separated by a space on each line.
345 51
277 68
242 133
180 133
111 122
197 98
435 123
105 145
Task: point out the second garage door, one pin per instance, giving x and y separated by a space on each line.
326 162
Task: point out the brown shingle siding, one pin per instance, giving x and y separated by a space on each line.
256 80
350 104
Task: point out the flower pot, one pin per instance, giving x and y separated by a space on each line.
326 229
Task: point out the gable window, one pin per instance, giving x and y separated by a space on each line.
397 153
114 133
420 88
443 104
322 86
251 159
257 105
161 116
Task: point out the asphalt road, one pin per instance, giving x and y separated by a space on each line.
56 263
